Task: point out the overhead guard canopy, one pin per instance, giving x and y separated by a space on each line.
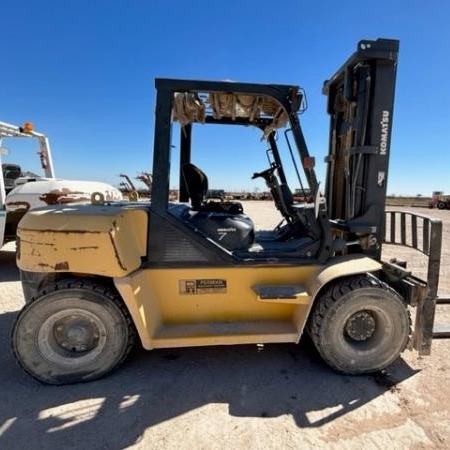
235 103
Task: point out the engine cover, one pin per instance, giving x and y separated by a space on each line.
232 231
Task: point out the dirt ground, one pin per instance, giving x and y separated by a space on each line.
282 396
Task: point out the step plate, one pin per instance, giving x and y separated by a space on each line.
292 293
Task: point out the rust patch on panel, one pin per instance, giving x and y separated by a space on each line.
18 206
47 244
65 231
63 196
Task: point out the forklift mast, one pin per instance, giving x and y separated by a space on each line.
360 104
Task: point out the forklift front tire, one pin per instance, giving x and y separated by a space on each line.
359 325
74 331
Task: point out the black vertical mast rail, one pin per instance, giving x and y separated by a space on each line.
360 105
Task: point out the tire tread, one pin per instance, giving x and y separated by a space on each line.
89 285
332 294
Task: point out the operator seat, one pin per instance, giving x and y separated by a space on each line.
223 222
197 188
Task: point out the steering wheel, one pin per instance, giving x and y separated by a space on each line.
265 173
275 189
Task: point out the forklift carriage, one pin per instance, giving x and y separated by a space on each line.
196 272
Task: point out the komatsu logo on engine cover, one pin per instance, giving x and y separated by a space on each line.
384 132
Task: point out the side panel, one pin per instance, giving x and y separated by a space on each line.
109 244
171 309
214 306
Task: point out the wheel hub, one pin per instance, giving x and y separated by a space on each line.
76 333
360 326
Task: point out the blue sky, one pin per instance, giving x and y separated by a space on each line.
83 72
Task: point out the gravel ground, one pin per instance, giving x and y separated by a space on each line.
229 397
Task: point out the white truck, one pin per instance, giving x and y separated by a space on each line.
20 192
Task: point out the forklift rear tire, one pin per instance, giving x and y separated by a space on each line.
74 331
359 325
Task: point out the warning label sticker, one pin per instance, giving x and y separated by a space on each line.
197 287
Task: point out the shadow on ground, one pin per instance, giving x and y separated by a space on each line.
153 387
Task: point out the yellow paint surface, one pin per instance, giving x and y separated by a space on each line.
165 316
99 240
175 306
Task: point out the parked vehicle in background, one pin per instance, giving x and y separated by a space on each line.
439 200
216 193
21 191
303 195
11 172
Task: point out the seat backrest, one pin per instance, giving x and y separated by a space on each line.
196 185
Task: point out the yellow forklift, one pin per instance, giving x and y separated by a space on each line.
98 276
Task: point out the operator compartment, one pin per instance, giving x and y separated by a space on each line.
273 110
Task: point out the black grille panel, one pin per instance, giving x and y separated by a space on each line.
172 242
